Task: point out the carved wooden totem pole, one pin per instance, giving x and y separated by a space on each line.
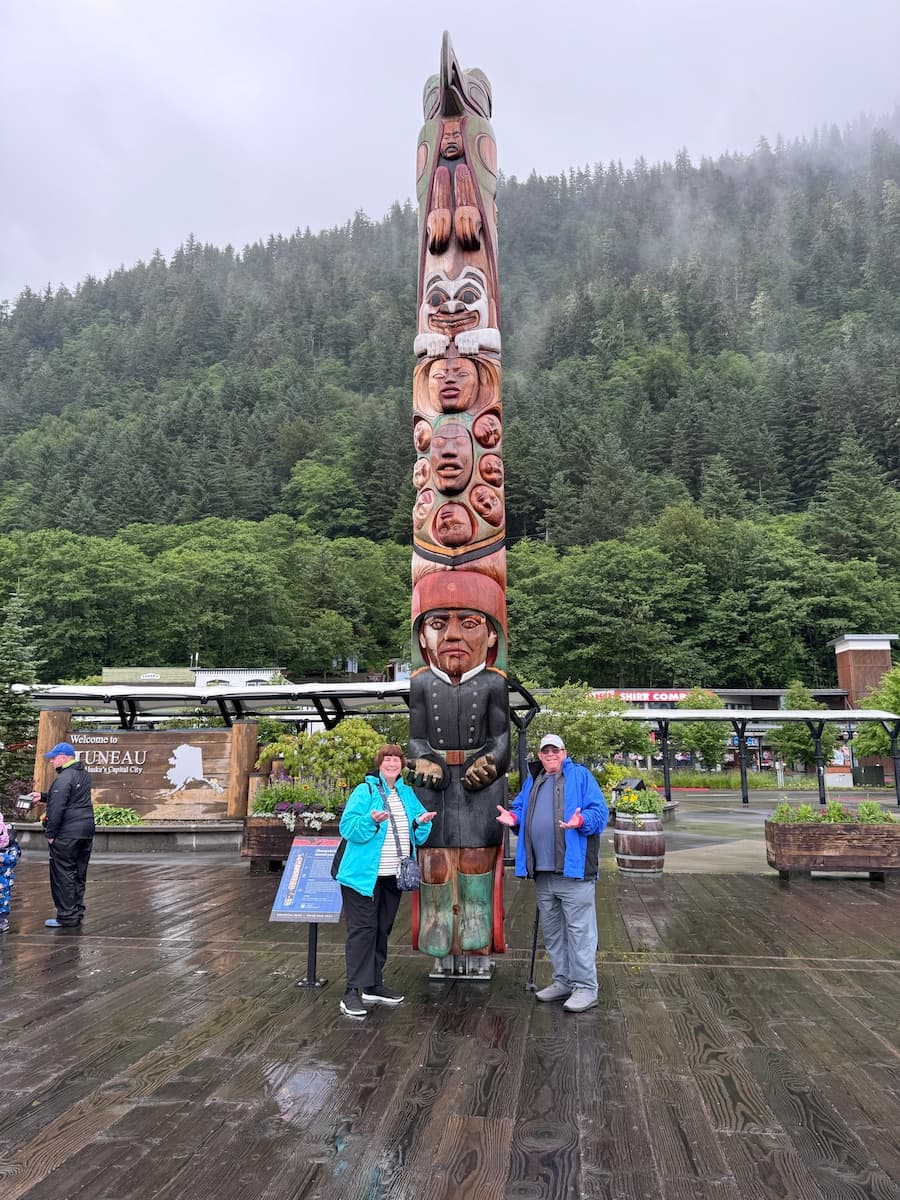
459 713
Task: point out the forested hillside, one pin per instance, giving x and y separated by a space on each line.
702 407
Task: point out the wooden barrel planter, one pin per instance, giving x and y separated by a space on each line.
639 843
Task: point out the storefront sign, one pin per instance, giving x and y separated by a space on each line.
642 695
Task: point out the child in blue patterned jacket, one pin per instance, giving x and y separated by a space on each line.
9 856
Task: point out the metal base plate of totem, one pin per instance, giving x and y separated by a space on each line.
473 967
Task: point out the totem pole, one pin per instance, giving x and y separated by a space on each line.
459 711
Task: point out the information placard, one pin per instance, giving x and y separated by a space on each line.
307 892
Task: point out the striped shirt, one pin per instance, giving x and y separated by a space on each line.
390 860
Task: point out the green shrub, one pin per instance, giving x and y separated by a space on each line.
786 813
287 791
632 802
111 814
835 813
870 812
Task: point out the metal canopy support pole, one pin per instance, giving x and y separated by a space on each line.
816 728
893 732
663 727
740 729
521 722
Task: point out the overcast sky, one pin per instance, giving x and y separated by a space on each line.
128 124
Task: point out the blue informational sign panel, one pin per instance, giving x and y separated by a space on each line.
307 892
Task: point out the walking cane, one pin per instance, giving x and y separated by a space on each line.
529 986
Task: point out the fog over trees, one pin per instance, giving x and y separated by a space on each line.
702 431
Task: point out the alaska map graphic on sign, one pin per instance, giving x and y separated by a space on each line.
186 767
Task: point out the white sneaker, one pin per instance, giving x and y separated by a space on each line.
553 991
581 1000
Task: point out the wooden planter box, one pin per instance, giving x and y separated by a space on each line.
795 848
267 842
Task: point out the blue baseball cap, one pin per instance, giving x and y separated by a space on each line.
61 748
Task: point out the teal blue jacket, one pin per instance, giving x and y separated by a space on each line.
365 837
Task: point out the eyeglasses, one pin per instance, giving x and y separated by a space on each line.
551 750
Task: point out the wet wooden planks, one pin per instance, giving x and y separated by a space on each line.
746 1044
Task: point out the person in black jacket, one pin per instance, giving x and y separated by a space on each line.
70 834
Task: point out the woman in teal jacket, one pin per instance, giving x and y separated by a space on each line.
368 874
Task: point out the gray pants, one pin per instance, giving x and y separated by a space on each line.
569 922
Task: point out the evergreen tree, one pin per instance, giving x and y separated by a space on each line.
857 513
18 716
706 738
793 742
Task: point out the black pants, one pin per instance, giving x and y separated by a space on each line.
69 858
369 924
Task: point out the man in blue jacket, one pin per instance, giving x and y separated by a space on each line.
561 814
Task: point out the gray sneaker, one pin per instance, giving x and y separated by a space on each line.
553 991
352 1006
581 1000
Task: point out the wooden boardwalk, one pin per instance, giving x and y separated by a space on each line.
747 1045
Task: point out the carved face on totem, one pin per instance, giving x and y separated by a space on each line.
487 504
451 139
452 384
491 470
456 639
452 525
488 430
452 306
451 457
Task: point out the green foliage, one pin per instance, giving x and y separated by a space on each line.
18 718
804 813
870 812
871 738
835 812
590 728
706 738
610 774
111 814
700 392
794 742
296 803
645 801
331 761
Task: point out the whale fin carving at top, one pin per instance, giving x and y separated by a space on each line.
455 92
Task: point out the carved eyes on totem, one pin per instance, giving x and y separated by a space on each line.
438 297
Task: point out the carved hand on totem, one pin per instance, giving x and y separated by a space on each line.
482 772
432 345
426 773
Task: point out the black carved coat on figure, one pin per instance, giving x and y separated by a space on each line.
472 717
